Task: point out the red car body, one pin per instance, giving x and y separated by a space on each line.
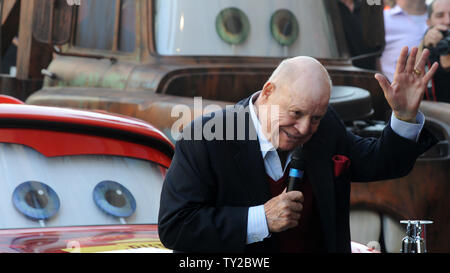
58 132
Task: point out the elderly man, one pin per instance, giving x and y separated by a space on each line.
228 195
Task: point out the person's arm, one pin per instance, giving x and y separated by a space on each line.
389 156
280 213
433 36
430 40
393 155
257 229
408 130
405 93
188 218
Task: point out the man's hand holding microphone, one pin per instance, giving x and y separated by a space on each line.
284 211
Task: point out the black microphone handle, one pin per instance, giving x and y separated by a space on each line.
294 184
297 164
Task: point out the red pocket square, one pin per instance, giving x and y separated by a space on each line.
341 164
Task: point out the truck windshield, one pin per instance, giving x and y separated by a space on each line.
257 28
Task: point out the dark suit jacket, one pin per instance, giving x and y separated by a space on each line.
211 183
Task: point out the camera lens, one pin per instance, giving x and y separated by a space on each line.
443 46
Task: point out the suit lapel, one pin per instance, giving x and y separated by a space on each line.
319 171
249 161
251 167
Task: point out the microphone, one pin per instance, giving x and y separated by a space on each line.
298 163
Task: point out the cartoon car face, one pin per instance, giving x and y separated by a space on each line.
78 181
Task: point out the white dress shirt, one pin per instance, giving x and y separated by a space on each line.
257 229
401 29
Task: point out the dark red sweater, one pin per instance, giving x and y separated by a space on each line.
307 236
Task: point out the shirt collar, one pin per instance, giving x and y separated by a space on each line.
265 145
396 10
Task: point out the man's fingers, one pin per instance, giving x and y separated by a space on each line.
434 35
282 213
295 196
411 61
292 224
423 60
384 83
441 27
431 72
296 206
295 216
401 62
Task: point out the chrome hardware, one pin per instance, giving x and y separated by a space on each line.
415 240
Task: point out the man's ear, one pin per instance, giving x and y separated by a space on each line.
267 91
429 22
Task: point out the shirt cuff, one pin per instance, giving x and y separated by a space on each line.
257 229
408 130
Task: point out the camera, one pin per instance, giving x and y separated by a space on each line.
443 47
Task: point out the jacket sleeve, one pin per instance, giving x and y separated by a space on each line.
189 220
389 156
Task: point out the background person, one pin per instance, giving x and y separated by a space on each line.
439 32
405 25
362 31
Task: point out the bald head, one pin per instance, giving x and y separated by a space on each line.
299 71
300 87
291 69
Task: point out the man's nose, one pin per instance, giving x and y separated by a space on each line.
446 20
303 126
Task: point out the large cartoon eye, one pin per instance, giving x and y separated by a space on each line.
232 25
284 27
36 200
114 199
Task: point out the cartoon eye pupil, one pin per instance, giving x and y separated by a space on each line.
115 198
285 26
233 24
36 199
